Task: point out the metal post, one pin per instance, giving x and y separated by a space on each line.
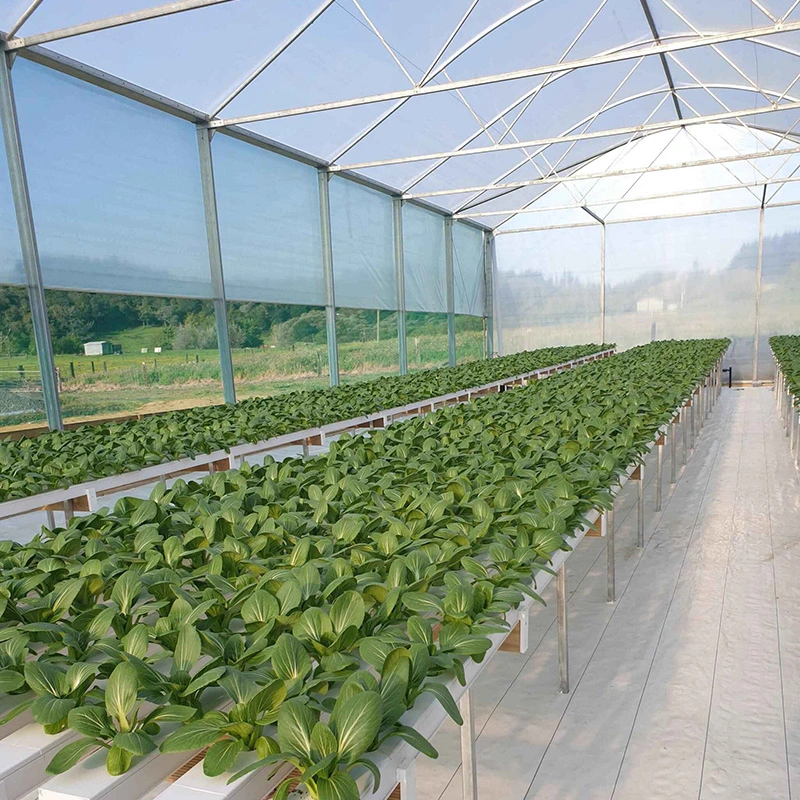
659 473
759 265
400 281
561 615
524 628
489 252
602 283
611 578
450 289
673 452
327 268
469 764
685 426
215 262
407 778
27 240
640 509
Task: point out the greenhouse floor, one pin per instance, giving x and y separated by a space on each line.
689 685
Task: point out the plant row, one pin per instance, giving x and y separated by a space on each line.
294 611
62 458
786 350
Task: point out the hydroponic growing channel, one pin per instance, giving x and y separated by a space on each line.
238 613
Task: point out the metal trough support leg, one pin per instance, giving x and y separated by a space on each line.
685 426
407 778
469 766
69 511
608 524
673 453
640 509
51 519
659 475
305 448
524 629
561 615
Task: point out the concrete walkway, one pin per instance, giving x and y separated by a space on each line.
689 685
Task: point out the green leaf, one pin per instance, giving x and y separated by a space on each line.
423 603
204 679
261 607
372 769
10 681
290 659
101 623
80 674
171 714
136 742
187 649
355 722
340 786
416 740
126 590
118 761
90 721
45 679
442 694
348 609
49 710
64 596
68 756
121 691
323 741
221 756
193 736
135 642
267 701
295 724
314 624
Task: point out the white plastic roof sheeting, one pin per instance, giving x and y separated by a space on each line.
482 106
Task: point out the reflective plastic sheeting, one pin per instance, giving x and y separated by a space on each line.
268 207
423 247
686 278
468 273
547 288
363 246
115 189
780 281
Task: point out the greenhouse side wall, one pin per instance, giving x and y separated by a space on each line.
547 289
120 211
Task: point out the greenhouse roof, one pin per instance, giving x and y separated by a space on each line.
484 107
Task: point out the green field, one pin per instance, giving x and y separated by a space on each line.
136 382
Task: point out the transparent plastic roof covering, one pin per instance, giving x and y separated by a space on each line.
495 110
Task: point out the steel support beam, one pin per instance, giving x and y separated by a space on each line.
685 43
400 281
281 48
215 263
111 22
469 761
563 630
759 266
611 569
489 259
626 130
30 250
602 283
327 268
578 176
450 289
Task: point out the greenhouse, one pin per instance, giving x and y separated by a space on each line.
399 399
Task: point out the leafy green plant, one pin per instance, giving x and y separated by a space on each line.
62 458
242 612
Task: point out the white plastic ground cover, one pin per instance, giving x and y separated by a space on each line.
24 753
116 483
